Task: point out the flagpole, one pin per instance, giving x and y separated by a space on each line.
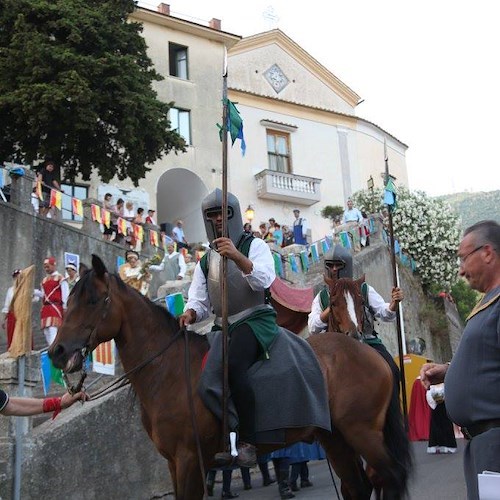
396 284
223 270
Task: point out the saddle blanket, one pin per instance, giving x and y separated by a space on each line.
289 387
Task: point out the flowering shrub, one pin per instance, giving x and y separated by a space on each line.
427 230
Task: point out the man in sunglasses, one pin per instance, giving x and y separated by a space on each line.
338 264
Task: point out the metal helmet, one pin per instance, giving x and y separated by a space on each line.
341 255
213 203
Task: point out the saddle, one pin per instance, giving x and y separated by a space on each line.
289 388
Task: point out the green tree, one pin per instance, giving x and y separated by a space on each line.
76 86
332 211
465 298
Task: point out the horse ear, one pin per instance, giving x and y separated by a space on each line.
98 266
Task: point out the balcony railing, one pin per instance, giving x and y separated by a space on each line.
291 188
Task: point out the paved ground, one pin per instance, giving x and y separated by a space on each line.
436 477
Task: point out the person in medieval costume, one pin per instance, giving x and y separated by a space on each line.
338 264
252 322
133 273
54 294
173 264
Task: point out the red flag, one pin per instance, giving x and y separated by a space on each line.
153 238
96 213
106 217
55 198
138 232
122 226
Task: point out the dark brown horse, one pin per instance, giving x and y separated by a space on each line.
102 307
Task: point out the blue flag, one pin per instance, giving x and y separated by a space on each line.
234 125
390 195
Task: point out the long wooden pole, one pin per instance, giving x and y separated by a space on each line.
398 307
223 269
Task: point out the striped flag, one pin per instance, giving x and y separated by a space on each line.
314 252
293 262
153 238
106 217
304 260
104 357
324 246
122 226
96 213
56 198
138 232
278 266
77 207
345 240
39 190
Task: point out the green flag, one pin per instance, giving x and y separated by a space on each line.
390 195
234 125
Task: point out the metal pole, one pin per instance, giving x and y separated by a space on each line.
18 450
398 309
223 270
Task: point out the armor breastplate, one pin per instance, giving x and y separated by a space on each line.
241 296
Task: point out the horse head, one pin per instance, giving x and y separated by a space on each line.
90 319
346 306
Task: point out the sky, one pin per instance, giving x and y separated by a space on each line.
427 71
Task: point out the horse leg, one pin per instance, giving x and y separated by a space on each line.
189 483
347 466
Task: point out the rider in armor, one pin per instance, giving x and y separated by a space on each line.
338 263
252 322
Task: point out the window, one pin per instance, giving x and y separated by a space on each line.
72 191
278 151
180 121
178 60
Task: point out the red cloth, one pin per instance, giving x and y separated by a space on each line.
10 321
52 309
419 417
295 299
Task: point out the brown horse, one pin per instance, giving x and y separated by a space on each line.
101 307
346 316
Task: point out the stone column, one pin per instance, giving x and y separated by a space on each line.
89 226
21 188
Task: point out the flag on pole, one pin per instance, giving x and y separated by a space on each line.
390 195
106 217
56 198
77 207
96 213
234 125
122 226
175 304
39 190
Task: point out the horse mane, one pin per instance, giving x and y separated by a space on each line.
345 285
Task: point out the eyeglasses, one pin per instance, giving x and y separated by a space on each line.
461 260
337 264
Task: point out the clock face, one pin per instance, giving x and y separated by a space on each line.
276 78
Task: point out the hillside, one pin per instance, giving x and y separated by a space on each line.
473 207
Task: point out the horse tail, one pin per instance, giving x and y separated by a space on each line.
398 448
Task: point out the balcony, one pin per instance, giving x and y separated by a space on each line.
293 189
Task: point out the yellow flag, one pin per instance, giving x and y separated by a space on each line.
106 217
77 207
96 213
122 226
55 198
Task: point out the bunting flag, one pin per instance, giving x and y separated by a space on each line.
77 207
106 217
56 199
278 266
39 190
104 357
122 226
234 125
293 263
175 304
153 238
345 241
304 260
138 232
324 246
96 213
314 252
397 247
390 195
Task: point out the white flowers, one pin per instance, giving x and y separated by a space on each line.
426 229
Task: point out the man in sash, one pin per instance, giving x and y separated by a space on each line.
252 322
472 378
54 294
